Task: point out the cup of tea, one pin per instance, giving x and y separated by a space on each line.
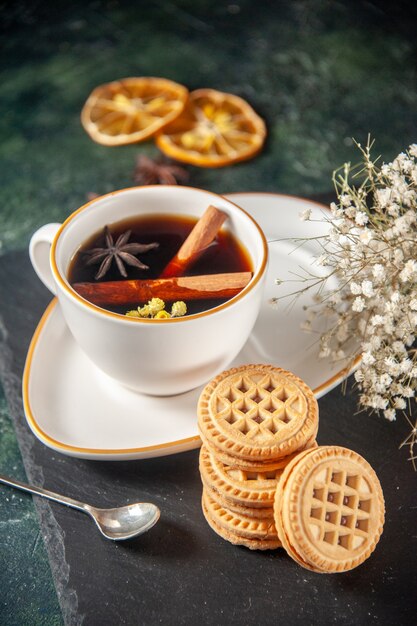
152 355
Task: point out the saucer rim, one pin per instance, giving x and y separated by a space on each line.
172 447
59 445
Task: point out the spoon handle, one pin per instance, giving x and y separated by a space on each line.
45 493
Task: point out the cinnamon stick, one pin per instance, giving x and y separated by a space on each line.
135 292
197 241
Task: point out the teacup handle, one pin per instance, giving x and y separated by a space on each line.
39 252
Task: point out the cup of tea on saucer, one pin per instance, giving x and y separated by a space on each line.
159 285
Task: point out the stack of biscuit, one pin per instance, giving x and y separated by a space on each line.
267 484
253 421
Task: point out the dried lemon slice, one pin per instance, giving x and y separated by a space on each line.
131 109
215 129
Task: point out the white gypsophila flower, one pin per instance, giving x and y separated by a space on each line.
359 377
377 320
367 288
411 216
408 197
344 228
402 163
305 215
361 218
378 271
376 401
385 380
355 288
400 403
344 199
350 212
333 235
390 414
375 342
409 272
401 226
406 366
392 366
336 211
358 304
368 358
398 347
365 236
369 251
393 209
383 197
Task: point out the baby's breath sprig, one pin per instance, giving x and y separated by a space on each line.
371 249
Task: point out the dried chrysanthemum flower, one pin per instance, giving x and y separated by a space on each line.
162 315
178 309
155 309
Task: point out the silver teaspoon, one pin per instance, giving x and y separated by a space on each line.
120 523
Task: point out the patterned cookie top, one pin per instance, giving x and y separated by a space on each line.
254 489
329 509
257 412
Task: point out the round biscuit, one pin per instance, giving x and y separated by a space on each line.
252 544
329 509
258 513
239 487
240 525
258 413
257 466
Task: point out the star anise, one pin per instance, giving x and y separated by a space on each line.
158 172
122 252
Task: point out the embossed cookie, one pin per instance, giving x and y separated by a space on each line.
329 509
238 487
258 413
239 529
266 513
257 466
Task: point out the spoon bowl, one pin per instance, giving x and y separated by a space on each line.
125 522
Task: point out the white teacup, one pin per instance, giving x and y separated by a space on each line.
157 357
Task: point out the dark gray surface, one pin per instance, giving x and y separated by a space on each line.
181 572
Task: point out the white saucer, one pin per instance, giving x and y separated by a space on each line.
74 408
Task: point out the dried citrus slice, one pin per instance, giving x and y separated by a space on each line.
131 109
215 129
